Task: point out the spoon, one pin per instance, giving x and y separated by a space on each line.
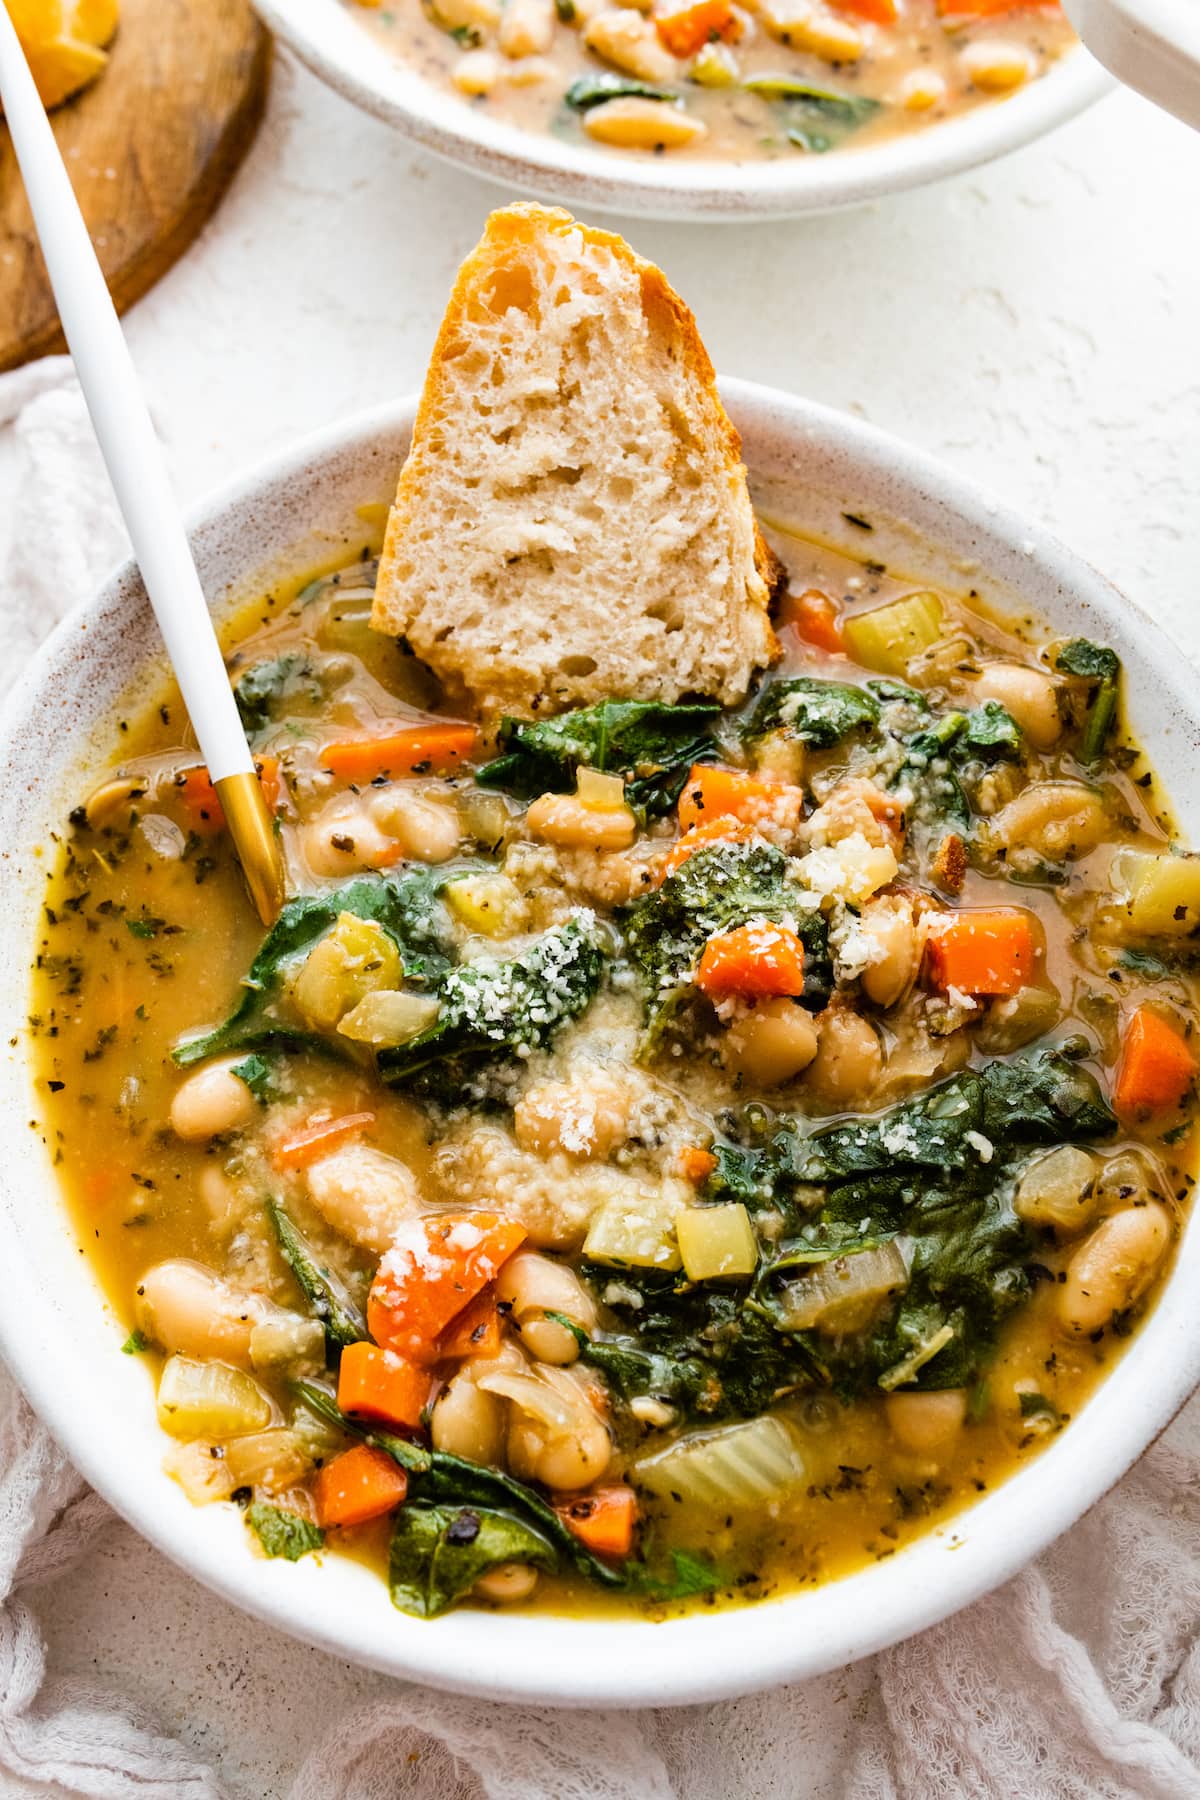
136 468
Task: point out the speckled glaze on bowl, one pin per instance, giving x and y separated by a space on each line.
59 1336
326 35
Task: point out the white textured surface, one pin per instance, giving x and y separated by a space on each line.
1036 323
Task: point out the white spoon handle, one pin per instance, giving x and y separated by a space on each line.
1151 45
121 421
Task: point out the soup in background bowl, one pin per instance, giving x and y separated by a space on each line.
810 470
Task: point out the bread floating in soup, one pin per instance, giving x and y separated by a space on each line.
668 1150
740 80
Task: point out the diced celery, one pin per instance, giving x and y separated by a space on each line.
276 1458
599 792
286 1338
634 1232
388 1018
209 1399
741 1466
889 636
201 1471
490 904
1059 1189
716 1242
843 1294
1161 892
354 958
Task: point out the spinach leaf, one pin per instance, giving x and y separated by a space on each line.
990 733
817 117
494 1010
436 1476
327 1299
407 907
1101 667
283 1533
438 1553
265 687
680 1576
716 889
652 746
255 1072
927 771
820 713
607 84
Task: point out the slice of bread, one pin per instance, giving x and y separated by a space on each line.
572 521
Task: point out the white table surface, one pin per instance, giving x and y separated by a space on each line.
1037 323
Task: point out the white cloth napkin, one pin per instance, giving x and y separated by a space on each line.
1079 1680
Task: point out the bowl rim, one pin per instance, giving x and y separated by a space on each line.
703 1656
326 37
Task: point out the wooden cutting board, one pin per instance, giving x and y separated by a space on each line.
151 148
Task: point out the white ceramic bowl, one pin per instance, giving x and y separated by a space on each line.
60 1338
327 36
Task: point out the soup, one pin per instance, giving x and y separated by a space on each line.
713 78
659 1156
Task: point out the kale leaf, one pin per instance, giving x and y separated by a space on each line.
262 691
1101 667
990 733
255 1073
820 713
653 746
438 1553
716 889
327 1299
283 1533
406 906
607 84
496 1009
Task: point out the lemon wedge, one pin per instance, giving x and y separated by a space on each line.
64 42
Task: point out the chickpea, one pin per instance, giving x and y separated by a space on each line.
896 947
210 1102
926 1423
848 1063
1029 695
508 1583
564 819
1053 821
1113 1267
533 1286
364 1194
771 1044
191 1311
587 1116
468 1422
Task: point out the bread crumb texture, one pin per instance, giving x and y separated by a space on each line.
573 521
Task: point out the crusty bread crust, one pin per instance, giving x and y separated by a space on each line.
572 520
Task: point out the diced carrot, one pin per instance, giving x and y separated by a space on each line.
199 795
716 831
475 1332
358 1485
378 1384
728 794
696 1165
1157 1066
753 959
816 617
980 952
418 750
434 1268
313 1141
686 29
879 12
603 1520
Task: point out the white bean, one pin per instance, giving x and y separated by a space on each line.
526 27
997 64
1029 695
887 923
191 1311
426 830
848 1063
534 1285
1054 820
929 1422
364 1194
467 1422
1113 1267
587 1116
476 72
635 123
211 1101
771 1044
564 819
623 38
